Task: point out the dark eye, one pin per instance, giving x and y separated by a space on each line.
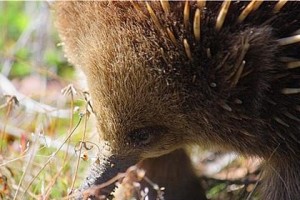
144 136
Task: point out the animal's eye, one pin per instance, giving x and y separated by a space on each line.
144 136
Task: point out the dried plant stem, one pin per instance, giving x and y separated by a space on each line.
53 155
30 160
52 182
97 187
70 126
80 148
8 112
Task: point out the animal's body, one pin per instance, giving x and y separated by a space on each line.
162 76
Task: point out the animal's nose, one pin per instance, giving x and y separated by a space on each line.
99 181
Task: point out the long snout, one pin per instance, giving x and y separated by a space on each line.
96 183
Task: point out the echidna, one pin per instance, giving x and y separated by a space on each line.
164 75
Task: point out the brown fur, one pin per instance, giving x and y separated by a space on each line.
173 172
141 82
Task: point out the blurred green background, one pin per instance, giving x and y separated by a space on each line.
28 41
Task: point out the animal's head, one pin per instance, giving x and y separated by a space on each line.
138 112
149 69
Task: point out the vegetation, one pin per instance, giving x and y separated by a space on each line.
40 127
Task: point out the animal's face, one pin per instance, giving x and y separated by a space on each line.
137 113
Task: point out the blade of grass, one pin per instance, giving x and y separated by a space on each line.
52 156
